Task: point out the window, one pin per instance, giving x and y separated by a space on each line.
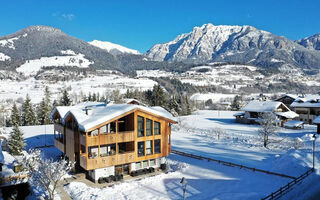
140 149
149 127
156 128
145 164
138 165
152 162
93 152
107 150
93 133
140 126
83 148
149 147
103 129
157 146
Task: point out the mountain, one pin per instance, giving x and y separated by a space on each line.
238 44
312 42
39 48
114 49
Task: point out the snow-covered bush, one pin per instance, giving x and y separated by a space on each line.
45 173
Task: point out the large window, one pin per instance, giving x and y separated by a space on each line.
125 147
156 128
140 126
107 150
149 147
138 165
157 146
149 127
140 149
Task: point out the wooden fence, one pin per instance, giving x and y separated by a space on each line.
285 189
10 179
230 164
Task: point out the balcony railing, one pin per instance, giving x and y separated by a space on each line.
100 162
107 138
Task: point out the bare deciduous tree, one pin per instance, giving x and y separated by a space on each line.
268 127
45 172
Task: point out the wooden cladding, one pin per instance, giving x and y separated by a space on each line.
101 162
109 138
102 146
59 145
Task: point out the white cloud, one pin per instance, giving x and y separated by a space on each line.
69 17
66 16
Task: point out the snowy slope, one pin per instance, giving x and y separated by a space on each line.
113 48
31 67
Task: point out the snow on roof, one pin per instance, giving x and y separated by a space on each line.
316 120
239 114
102 113
63 110
293 96
293 124
261 106
309 101
288 114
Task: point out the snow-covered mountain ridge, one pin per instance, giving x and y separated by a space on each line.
112 48
241 44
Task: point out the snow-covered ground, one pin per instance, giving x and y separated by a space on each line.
11 89
237 143
212 134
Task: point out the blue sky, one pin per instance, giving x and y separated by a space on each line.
142 23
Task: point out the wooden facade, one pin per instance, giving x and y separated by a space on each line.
97 148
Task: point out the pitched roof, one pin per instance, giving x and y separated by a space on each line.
308 101
316 120
102 113
261 106
293 96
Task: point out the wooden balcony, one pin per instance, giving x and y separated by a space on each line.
126 136
100 162
108 138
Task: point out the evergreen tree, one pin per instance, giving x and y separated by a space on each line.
16 143
94 97
158 96
185 105
84 98
65 99
236 103
28 114
15 116
45 108
173 105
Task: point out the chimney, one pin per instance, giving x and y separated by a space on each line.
88 111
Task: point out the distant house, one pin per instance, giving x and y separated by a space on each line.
254 109
287 99
308 108
317 122
112 140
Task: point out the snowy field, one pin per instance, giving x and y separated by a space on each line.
10 89
212 134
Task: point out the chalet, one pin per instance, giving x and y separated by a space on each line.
110 140
287 99
254 109
308 108
317 122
